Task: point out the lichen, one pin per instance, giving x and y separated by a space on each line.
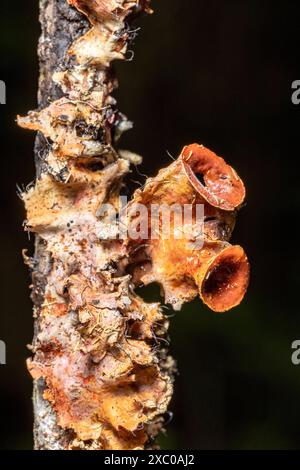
95 347
214 269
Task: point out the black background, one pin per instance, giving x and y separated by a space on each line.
217 73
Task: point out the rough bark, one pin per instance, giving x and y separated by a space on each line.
96 386
102 374
60 26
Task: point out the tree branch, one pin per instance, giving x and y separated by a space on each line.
96 385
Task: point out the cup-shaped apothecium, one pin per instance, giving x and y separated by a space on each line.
223 278
188 265
211 177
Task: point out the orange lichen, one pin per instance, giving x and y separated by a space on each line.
217 271
96 342
73 127
99 47
105 41
94 346
99 10
111 396
221 186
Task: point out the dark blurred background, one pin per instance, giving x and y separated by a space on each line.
217 73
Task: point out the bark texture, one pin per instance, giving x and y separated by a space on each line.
102 374
60 26
100 382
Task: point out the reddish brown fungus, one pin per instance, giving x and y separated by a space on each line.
217 271
101 381
221 186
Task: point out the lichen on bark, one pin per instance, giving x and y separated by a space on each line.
103 378
97 386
